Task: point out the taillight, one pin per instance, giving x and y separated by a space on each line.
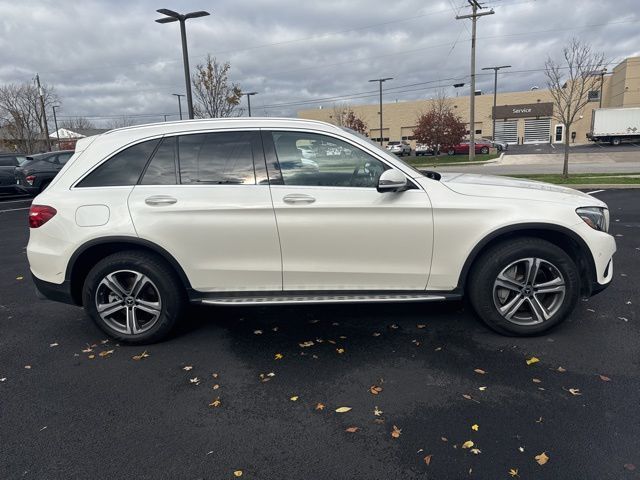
30 179
40 214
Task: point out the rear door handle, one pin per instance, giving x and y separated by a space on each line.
298 198
158 200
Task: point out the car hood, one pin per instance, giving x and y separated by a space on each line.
508 187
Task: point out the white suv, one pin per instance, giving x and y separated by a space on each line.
143 220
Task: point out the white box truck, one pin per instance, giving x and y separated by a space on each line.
615 125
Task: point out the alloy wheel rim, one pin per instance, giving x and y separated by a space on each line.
128 302
529 291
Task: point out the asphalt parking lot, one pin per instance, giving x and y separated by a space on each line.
431 392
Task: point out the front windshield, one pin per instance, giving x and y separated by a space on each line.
380 149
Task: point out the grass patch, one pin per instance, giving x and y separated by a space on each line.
428 161
585 178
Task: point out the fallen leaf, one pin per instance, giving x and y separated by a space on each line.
427 459
574 391
475 427
539 420
351 429
395 433
308 343
476 451
536 380
141 356
214 375
629 466
53 344
532 360
561 369
469 397
421 325
375 389
377 412
376 334
394 326
216 403
542 458
237 473
468 444
342 409
604 378
521 449
278 356
92 356
257 332
340 350
480 371
186 368
87 350
444 439
20 278
294 398
106 353
195 380
482 389
513 472
3 379
319 406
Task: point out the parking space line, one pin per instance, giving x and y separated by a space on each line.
14 209
595 191
15 201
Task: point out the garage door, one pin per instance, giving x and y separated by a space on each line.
507 131
537 130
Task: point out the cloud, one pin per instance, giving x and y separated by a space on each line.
109 58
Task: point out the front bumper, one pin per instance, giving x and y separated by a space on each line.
53 291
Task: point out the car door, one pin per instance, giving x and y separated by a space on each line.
336 231
8 165
205 198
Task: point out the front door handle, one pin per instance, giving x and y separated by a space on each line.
298 198
158 200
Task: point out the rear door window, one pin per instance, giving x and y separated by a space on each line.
124 168
220 158
162 167
8 162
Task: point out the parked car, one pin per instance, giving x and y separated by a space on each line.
498 144
399 148
8 164
482 146
424 149
133 234
36 173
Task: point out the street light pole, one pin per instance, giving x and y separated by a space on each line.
495 93
380 82
248 94
179 103
602 74
55 122
172 16
44 112
472 101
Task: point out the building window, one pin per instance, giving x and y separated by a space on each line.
594 95
408 137
478 132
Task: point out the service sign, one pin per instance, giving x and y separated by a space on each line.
524 110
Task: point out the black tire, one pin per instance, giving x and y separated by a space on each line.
451 151
615 141
170 292
484 150
491 263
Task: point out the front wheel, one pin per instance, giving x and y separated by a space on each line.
524 287
134 296
484 150
451 151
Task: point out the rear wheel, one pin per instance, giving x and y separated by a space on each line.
524 287
135 297
484 150
451 151
615 141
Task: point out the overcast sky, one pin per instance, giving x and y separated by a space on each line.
109 57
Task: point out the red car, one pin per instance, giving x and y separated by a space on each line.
463 147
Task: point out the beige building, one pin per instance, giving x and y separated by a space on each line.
521 117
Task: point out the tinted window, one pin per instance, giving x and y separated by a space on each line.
63 157
162 168
123 168
310 159
218 158
8 162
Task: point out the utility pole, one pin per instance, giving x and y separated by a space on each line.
44 112
602 74
55 122
472 100
381 81
248 94
179 103
495 96
172 16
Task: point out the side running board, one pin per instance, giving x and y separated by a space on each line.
301 299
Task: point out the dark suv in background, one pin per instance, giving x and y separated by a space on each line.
36 173
8 164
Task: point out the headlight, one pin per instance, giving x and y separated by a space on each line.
596 217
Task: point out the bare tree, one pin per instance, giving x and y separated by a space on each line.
344 116
21 114
439 126
76 123
569 83
215 95
121 122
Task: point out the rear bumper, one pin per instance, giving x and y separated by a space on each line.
53 291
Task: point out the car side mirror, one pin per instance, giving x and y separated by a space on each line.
392 180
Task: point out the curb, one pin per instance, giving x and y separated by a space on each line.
600 186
